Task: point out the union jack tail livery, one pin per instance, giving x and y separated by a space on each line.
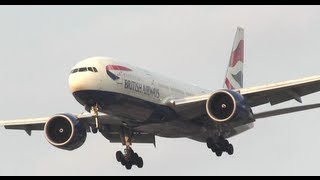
234 76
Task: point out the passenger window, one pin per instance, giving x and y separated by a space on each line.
95 69
82 69
90 69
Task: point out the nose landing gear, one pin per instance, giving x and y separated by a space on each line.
95 112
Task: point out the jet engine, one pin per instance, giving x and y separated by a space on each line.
228 105
65 131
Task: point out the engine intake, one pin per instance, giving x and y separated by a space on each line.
226 105
221 106
65 132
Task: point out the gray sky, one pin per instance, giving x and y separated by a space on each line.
40 44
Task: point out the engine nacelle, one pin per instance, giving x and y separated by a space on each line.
228 105
65 131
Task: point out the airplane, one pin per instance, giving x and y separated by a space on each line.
127 105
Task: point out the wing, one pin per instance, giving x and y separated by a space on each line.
38 123
112 126
273 93
25 124
281 92
189 107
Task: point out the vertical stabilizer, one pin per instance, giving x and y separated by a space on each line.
234 76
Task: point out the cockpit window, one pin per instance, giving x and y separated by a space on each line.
75 70
84 69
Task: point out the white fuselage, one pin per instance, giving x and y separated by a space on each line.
139 98
137 82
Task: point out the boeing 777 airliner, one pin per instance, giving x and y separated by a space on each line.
128 105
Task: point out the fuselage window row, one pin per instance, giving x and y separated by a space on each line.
84 69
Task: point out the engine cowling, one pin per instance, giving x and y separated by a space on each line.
65 131
228 105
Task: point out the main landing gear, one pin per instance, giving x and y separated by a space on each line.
129 158
220 146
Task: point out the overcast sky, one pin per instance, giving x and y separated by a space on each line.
40 44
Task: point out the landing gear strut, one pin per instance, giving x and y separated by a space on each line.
220 146
95 112
129 158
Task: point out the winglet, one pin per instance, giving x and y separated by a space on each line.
234 76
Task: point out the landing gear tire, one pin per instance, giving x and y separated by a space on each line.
219 146
209 143
94 130
135 156
119 156
224 142
123 162
219 153
140 162
128 165
129 158
230 149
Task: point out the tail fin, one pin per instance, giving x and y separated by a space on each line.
234 76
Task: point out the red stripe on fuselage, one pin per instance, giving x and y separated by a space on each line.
117 67
237 54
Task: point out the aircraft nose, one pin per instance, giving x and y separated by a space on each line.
81 81
76 84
